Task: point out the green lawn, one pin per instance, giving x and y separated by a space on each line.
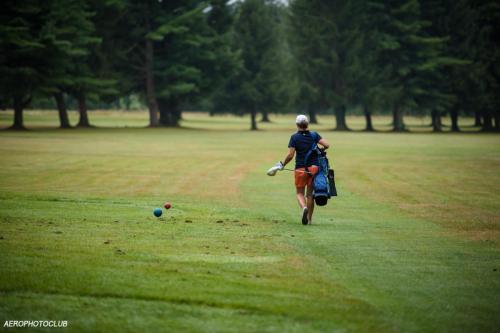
412 243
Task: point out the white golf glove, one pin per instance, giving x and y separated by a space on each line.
277 167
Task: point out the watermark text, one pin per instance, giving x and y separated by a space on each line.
36 323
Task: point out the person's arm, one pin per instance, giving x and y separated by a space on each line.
289 156
324 143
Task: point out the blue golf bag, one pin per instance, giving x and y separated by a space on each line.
324 180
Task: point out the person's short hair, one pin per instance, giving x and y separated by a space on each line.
302 121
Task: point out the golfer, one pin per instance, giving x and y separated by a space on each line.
301 143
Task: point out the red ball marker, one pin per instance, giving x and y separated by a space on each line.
167 205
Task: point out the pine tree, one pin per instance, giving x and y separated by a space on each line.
106 57
365 79
192 60
23 34
255 83
136 56
326 37
68 54
407 57
345 27
484 50
310 42
440 94
175 53
277 73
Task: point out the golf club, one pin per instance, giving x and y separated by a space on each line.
308 172
272 171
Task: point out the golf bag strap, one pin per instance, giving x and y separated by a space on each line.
314 135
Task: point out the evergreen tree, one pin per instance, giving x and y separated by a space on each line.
277 68
311 43
23 36
344 18
365 78
106 58
327 39
175 53
69 53
136 58
440 94
456 23
193 61
220 17
257 80
483 46
407 56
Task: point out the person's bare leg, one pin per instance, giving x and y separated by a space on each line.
300 197
303 205
310 204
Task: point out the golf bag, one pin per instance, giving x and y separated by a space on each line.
324 180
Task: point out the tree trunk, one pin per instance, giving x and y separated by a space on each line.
169 113
150 85
496 117
397 119
265 117
487 122
61 108
436 121
253 116
313 119
454 119
82 108
368 117
340 118
18 114
477 119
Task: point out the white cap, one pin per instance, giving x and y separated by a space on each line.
301 119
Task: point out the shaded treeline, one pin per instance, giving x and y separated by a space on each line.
256 57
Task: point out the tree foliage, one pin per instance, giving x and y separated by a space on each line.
259 79
415 57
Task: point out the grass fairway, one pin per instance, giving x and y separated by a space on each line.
410 245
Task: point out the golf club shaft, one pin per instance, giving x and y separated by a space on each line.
297 170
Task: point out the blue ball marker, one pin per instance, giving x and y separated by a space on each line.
157 212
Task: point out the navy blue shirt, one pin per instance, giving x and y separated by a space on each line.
302 141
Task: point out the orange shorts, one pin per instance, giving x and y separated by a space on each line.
303 179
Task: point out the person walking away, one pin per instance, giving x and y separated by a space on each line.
300 145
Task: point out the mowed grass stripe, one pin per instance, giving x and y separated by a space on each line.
102 315
269 284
